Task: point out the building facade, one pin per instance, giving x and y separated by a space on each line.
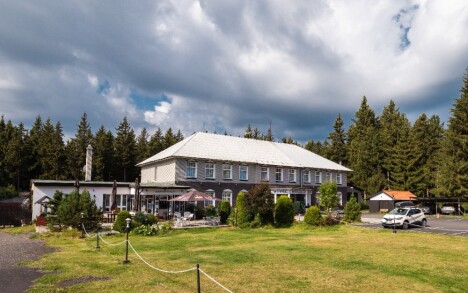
223 166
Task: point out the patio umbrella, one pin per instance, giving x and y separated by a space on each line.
194 195
77 186
114 196
136 198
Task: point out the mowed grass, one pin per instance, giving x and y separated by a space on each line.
297 259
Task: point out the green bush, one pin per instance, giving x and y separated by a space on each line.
352 211
72 205
139 217
224 211
243 216
259 200
328 195
7 192
313 216
211 211
200 212
284 211
120 223
256 223
146 230
151 219
299 207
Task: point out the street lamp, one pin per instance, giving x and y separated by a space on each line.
82 226
126 261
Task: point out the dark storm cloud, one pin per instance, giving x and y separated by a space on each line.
225 64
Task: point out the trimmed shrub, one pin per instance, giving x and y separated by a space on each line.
210 211
224 211
151 219
313 216
259 200
72 205
242 216
256 223
352 211
139 217
284 211
120 223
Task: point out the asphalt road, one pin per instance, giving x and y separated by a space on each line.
15 249
446 225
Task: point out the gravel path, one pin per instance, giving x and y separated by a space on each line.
15 249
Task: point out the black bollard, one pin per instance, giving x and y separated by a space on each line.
126 261
198 279
82 226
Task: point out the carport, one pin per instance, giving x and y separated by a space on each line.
434 201
385 200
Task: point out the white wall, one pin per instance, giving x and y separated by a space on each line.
40 191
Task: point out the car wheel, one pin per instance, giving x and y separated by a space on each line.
424 223
405 225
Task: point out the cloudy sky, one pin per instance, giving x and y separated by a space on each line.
219 65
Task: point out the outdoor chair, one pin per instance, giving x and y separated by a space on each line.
177 215
179 222
186 214
208 220
216 221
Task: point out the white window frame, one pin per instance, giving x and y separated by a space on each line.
306 176
267 173
339 178
244 169
227 195
106 202
279 172
213 169
318 175
340 198
227 167
210 192
292 176
189 165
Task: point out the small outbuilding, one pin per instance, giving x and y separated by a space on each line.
385 200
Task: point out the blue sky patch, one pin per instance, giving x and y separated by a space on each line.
148 102
404 19
103 87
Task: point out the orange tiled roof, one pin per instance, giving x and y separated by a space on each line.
401 194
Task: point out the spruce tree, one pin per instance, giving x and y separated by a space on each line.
248 132
156 143
142 146
364 150
125 152
76 148
103 153
34 162
337 149
453 165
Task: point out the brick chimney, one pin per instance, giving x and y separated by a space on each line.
89 162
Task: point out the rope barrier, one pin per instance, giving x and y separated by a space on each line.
158 269
214 281
111 244
86 232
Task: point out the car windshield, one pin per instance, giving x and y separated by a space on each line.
399 212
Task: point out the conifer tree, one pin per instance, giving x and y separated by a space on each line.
142 146
453 165
363 150
125 152
169 138
103 153
337 149
248 132
76 148
34 164
156 143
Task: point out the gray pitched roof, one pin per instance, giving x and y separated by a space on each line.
217 147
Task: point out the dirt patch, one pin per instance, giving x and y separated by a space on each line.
80 280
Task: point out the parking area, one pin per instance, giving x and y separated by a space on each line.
446 225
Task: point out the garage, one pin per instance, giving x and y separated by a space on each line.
385 200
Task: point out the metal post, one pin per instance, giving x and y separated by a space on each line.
82 226
97 237
198 278
394 228
126 261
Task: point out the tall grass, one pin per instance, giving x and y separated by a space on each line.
297 259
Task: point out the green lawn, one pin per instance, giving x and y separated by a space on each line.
298 259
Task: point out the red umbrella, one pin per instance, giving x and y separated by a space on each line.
194 195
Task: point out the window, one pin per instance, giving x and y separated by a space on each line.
227 171
306 176
227 195
318 177
292 175
106 202
209 171
191 170
210 192
340 198
279 175
243 173
264 174
123 201
339 179
327 176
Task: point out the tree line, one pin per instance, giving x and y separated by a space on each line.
384 151
388 152
42 153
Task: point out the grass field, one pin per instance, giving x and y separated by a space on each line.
298 259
